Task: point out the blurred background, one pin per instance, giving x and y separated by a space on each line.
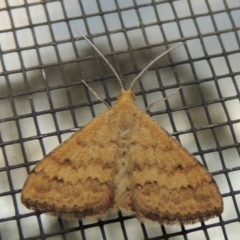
43 102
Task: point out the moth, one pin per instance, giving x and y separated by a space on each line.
123 159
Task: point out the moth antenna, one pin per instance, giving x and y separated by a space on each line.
104 58
95 94
163 99
151 63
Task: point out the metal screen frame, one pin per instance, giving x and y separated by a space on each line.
39 83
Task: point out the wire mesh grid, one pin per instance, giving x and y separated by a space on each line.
42 99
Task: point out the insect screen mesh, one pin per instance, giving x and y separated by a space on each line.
42 99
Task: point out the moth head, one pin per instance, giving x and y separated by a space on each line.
126 96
